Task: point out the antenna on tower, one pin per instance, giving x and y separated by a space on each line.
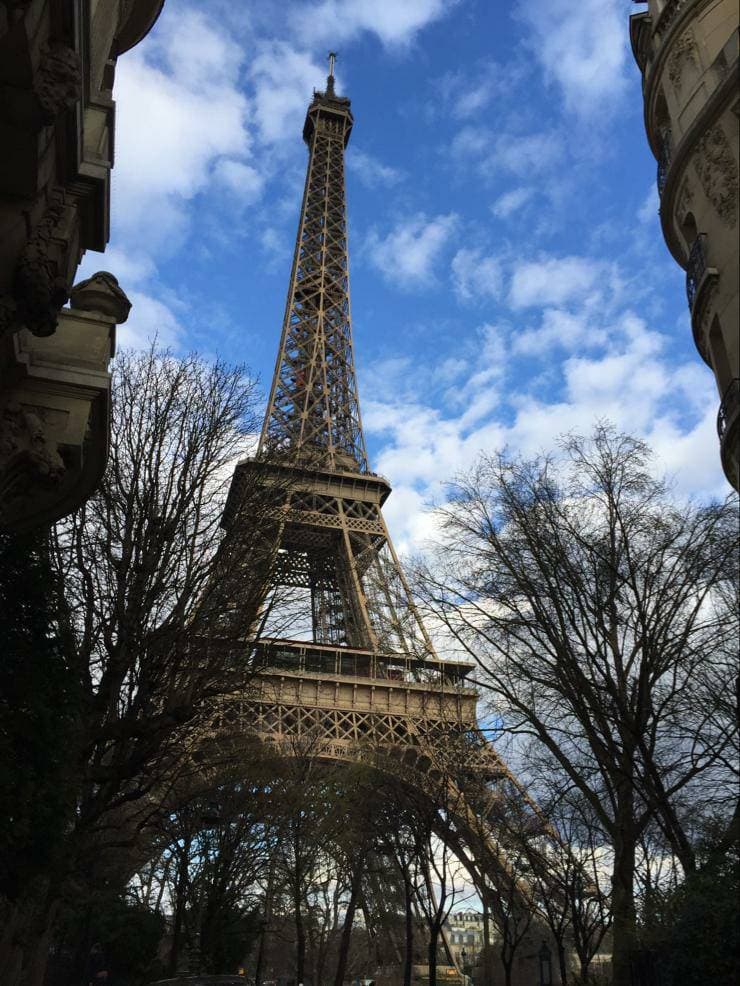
330 79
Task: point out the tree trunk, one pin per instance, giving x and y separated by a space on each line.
623 900
584 970
562 962
409 940
25 936
433 939
39 959
179 914
487 952
260 959
265 923
507 968
11 956
349 918
25 941
300 935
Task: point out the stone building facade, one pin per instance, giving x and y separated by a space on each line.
687 51
57 65
464 931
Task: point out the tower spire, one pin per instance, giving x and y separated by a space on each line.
313 411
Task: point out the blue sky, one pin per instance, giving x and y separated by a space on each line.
509 278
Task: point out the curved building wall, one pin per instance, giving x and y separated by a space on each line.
687 51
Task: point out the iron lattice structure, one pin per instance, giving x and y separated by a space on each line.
334 544
364 682
313 408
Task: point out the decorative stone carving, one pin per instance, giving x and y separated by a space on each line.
701 338
716 168
40 286
58 82
683 53
684 201
101 293
28 458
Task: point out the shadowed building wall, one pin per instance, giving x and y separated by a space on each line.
57 65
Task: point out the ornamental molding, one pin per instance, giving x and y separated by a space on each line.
717 171
683 53
29 457
40 286
667 29
58 82
684 200
720 101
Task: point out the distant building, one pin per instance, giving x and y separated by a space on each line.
57 64
687 51
464 931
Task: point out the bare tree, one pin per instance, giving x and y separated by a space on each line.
593 604
154 605
573 896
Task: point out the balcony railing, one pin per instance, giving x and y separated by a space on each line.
728 408
696 267
664 159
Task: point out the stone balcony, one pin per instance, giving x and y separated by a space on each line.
55 408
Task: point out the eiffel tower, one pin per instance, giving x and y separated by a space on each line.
334 544
359 677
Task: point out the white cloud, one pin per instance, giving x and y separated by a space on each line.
394 23
178 111
243 181
405 511
511 202
284 79
619 368
128 267
471 142
408 254
553 281
559 329
469 90
149 317
582 47
277 245
490 151
371 172
648 211
524 155
475 276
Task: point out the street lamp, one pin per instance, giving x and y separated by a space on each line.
545 966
